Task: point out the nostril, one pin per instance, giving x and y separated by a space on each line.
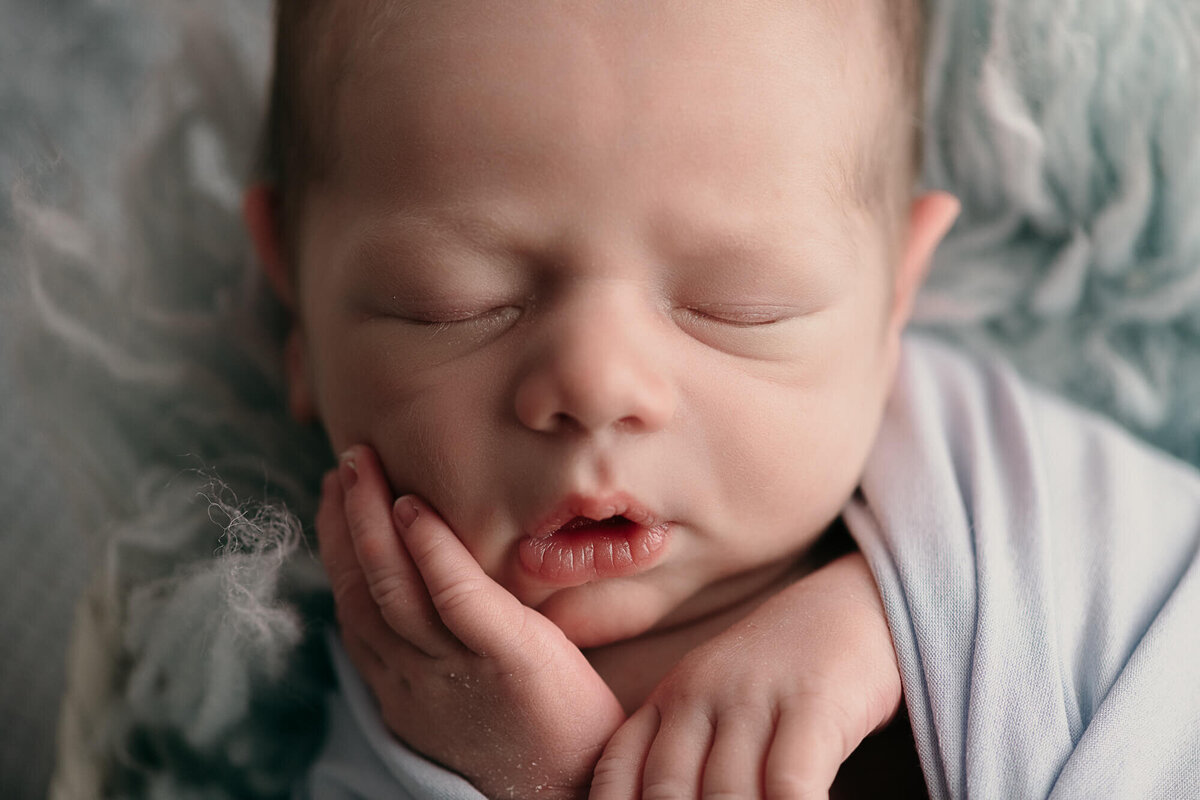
632 423
562 422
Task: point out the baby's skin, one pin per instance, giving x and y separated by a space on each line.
770 706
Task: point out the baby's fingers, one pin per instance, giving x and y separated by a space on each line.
809 747
735 763
483 615
356 610
675 763
618 774
659 753
388 570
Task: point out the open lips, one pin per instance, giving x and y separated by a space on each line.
586 540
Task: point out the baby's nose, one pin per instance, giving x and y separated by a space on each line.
597 367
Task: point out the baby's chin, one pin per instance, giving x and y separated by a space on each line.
606 612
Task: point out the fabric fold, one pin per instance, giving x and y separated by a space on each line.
1038 566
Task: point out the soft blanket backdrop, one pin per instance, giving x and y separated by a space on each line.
140 395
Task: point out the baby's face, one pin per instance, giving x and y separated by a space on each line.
582 261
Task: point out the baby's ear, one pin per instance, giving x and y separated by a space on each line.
930 219
260 210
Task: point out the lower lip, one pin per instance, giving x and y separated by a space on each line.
594 552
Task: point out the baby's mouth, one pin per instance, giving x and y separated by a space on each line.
618 522
584 549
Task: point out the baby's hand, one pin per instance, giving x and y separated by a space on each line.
769 708
463 672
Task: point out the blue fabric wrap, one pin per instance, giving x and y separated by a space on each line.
1041 574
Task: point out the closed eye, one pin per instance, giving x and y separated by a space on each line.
740 316
458 317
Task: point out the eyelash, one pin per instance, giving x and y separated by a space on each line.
454 318
729 319
736 320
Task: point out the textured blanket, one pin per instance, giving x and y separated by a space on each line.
1041 574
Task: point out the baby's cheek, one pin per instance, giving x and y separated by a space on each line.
433 445
423 451
787 468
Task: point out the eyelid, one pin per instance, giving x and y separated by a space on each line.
455 316
741 316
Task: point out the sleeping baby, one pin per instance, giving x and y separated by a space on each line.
642 492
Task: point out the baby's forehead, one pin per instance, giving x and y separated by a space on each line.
343 37
359 27
415 43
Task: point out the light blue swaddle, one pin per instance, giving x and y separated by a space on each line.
1041 574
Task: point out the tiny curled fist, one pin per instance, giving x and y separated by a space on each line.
769 708
462 671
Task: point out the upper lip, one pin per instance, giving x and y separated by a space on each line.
595 507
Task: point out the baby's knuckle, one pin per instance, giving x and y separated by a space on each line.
791 786
683 689
353 508
728 794
458 595
375 553
716 702
666 788
389 590
612 771
758 710
823 711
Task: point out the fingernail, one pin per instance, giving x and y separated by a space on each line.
347 470
406 512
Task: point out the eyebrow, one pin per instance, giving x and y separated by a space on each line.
423 235
748 242
429 235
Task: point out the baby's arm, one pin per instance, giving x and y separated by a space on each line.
462 671
772 706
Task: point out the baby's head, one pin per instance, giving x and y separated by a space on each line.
643 263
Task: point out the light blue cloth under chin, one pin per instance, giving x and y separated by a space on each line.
1040 573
